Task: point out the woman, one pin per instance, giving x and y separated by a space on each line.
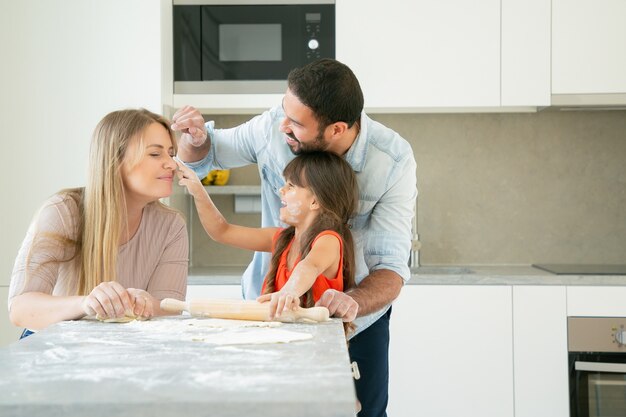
110 249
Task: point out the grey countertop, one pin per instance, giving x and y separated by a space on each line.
441 275
88 368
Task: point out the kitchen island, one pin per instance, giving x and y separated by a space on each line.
169 367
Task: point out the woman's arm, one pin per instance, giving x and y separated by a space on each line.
216 226
37 310
323 258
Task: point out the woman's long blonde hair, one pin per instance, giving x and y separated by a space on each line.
101 203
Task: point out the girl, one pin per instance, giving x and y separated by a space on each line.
315 252
110 248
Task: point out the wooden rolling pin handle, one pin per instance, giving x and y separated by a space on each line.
318 314
173 306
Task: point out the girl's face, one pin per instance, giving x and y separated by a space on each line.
297 204
151 177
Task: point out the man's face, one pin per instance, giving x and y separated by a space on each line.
301 128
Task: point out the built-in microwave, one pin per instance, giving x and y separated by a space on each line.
248 47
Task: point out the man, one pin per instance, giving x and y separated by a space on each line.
323 110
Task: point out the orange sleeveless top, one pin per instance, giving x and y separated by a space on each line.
322 283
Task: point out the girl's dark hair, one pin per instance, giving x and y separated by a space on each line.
333 182
330 89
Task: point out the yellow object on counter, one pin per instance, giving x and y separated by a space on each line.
217 177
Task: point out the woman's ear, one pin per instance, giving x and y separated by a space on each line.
314 205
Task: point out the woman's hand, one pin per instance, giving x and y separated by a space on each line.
188 178
108 300
143 303
280 301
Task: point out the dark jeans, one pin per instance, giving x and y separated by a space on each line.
26 333
370 350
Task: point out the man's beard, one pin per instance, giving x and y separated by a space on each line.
319 144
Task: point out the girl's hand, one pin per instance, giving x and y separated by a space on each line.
108 300
188 178
279 302
143 303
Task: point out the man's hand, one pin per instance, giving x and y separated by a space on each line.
339 305
190 123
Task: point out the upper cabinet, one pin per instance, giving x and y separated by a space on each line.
422 55
588 52
417 53
525 49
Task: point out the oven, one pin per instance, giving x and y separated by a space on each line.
221 47
597 366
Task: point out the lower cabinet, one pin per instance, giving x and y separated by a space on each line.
540 351
451 352
607 301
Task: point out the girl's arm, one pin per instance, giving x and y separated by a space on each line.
216 226
322 259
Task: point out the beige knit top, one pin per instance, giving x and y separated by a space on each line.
155 259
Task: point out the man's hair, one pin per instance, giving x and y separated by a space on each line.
330 89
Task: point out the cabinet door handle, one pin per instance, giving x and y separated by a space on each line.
600 367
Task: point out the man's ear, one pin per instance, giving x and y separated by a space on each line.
338 128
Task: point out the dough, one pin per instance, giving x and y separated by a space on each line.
123 319
216 331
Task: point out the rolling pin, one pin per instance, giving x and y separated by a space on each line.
242 310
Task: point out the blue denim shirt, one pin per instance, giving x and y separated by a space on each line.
386 174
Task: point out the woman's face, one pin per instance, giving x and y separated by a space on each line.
152 176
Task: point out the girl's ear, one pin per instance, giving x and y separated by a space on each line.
314 205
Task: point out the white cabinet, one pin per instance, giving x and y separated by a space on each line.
596 301
525 70
423 55
418 53
588 47
451 352
540 351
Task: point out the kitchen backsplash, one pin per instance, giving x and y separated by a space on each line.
493 188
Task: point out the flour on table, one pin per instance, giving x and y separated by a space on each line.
229 324
254 336
218 331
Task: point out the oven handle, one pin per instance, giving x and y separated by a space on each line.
600 367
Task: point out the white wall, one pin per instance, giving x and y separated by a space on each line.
65 64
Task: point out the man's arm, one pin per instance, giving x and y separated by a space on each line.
377 290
